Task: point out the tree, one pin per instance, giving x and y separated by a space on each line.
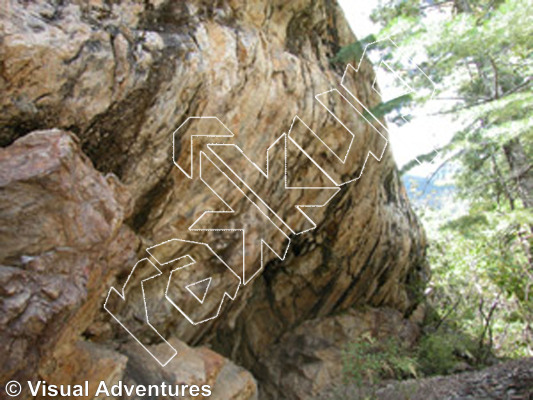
480 55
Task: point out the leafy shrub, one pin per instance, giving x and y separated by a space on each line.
439 352
369 360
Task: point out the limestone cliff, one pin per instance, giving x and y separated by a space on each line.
92 92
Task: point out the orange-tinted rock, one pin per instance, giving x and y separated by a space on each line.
124 75
62 239
192 366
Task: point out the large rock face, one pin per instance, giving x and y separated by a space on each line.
121 77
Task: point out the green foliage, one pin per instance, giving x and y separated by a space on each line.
368 360
353 52
479 265
480 54
387 107
440 352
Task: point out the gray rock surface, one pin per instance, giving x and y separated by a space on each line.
512 380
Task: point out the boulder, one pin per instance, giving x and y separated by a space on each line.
311 357
124 77
192 366
62 239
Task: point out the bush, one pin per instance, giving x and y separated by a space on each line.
439 352
369 360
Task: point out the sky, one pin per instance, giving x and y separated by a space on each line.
424 132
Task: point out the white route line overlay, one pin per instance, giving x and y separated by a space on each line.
211 146
230 211
123 297
404 83
193 261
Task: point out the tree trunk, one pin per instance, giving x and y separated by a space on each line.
520 166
